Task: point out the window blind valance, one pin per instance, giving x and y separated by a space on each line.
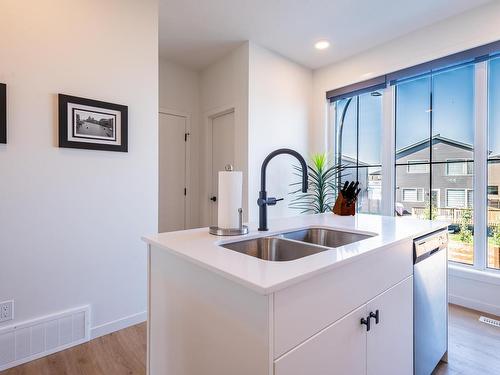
472 55
359 88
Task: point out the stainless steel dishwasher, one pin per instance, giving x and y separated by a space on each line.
430 301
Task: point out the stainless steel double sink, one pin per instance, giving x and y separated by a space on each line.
296 244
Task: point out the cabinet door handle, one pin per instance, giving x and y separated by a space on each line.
366 322
375 315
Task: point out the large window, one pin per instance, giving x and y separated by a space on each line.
441 120
358 130
434 153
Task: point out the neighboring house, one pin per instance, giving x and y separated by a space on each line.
452 175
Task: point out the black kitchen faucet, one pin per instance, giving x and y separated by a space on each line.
263 200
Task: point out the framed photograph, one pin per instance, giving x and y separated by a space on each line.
92 125
3 113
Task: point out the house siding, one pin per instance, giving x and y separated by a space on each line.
441 152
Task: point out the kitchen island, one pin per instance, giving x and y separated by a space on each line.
214 310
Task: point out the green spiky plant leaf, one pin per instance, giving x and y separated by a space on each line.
323 188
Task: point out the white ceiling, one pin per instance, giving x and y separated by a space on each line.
195 33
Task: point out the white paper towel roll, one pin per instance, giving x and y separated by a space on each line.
229 199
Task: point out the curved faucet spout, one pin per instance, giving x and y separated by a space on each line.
263 201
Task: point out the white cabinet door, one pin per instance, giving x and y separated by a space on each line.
390 342
339 349
306 308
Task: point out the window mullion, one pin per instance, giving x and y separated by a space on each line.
330 144
431 119
480 165
357 139
388 169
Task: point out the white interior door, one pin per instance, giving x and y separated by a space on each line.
172 173
222 153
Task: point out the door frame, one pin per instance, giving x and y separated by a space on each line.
208 117
187 181
438 197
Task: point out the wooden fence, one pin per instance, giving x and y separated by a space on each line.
455 215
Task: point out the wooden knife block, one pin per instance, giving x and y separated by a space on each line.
341 208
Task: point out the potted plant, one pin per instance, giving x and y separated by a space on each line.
323 186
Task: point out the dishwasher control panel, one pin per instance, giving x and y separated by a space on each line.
425 246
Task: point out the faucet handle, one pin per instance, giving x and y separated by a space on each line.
272 201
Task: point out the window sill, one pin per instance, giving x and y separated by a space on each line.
489 276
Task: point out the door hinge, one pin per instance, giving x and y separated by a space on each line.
186 136
185 191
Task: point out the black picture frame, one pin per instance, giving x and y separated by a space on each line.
3 113
107 142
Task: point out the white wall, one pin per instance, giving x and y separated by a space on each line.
475 290
272 100
71 220
180 94
279 116
468 30
224 85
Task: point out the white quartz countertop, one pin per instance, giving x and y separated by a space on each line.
266 277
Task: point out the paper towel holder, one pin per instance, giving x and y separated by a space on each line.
241 230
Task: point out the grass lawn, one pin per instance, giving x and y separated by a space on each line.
456 238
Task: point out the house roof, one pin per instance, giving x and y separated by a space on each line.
438 138
417 146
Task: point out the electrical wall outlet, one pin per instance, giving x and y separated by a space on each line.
6 311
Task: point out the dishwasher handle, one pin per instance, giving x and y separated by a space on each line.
436 250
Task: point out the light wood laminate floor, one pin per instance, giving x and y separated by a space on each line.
474 347
474 350
120 353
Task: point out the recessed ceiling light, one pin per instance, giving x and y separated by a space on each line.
322 44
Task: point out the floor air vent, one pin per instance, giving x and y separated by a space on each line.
492 322
26 341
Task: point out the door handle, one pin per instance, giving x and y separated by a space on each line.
366 322
375 315
213 199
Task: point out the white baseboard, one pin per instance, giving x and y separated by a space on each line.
117 325
474 304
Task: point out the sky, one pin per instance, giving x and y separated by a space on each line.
452 113
452 107
370 128
494 107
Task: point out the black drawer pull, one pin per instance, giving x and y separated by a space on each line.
366 322
375 315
